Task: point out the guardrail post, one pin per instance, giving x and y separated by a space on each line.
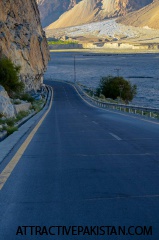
151 112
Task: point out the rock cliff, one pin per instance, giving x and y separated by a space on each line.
23 40
6 107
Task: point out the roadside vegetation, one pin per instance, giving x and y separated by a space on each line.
9 79
116 88
9 124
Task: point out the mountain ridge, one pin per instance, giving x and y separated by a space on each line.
87 11
145 17
51 10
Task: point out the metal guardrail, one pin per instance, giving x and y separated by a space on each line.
144 111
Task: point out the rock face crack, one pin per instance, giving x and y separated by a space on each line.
23 40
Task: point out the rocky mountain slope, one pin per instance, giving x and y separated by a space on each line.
147 17
96 10
105 32
23 40
51 10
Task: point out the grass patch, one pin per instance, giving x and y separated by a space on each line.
10 121
9 124
60 42
21 115
2 121
11 130
27 97
10 127
38 105
17 102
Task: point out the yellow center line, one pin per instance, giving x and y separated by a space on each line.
11 165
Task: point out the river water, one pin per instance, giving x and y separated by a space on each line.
139 69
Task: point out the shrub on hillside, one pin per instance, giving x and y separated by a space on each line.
9 76
114 87
26 97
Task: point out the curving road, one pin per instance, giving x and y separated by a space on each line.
85 166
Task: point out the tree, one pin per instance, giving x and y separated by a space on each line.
114 87
9 76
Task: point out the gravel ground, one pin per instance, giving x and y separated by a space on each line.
110 29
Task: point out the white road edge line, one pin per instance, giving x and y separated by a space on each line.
141 119
11 165
115 136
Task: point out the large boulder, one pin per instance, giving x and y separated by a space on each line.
22 107
6 107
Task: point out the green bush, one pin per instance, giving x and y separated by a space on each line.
17 102
38 105
26 97
9 76
11 130
1 115
21 115
114 87
10 121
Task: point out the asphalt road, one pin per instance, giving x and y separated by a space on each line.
84 167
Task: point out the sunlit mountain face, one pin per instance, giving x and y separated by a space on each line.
51 10
147 17
62 13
